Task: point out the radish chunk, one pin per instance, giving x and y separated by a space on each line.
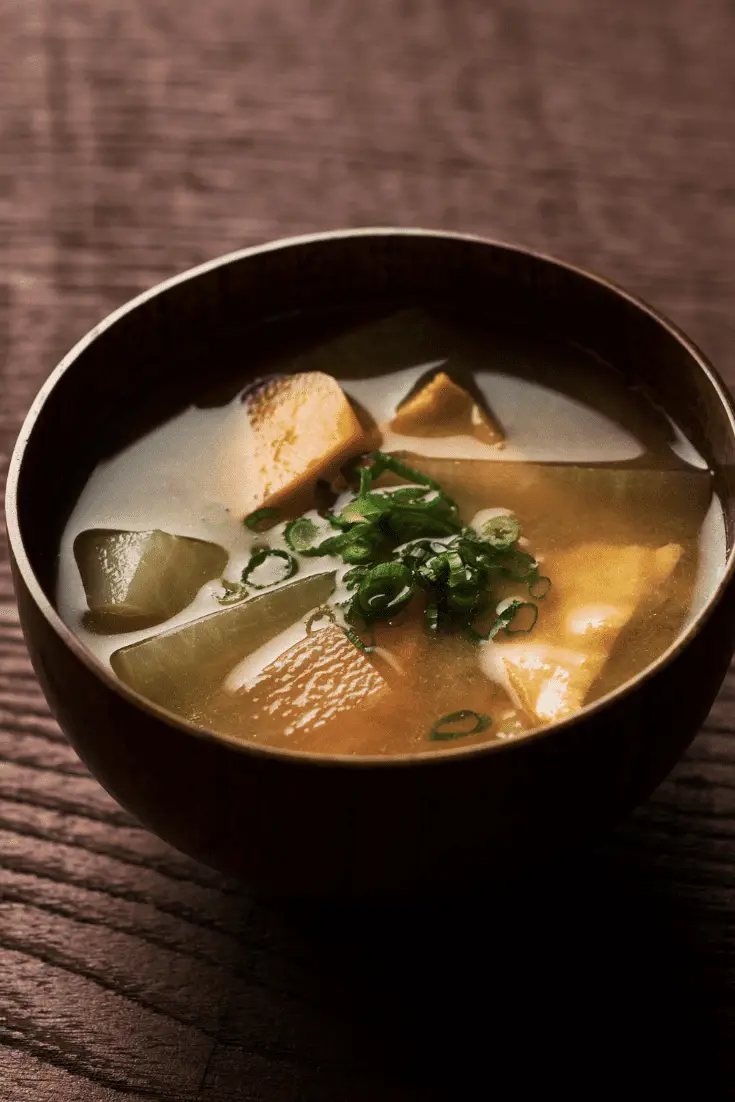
182 667
137 579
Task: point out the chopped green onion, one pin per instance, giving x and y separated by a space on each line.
416 495
366 480
381 461
385 590
501 532
459 724
258 520
539 587
358 544
408 524
300 534
425 500
457 569
365 507
352 578
358 551
307 537
402 540
354 638
501 621
336 521
431 617
260 557
532 615
463 598
324 613
233 592
518 565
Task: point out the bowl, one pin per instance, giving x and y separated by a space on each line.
292 823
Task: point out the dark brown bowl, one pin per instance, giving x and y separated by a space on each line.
295 823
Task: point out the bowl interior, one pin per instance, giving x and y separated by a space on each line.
187 338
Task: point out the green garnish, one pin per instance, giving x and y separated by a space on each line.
381 461
459 724
522 622
352 578
323 613
354 638
501 621
307 537
408 539
260 519
301 534
404 541
539 587
512 618
257 560
384 591
233 592
502 532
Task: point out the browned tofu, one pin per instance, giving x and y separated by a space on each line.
443 408
301 427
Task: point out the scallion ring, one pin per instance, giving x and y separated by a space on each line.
324 613
259 519
501 621
521 618
307 537
259 558
539 587
459 725
501 532
385 590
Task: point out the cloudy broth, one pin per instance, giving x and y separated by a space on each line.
613 503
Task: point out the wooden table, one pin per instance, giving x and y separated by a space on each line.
140 138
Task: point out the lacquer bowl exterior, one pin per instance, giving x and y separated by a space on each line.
297 824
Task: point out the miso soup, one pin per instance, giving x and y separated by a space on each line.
412 534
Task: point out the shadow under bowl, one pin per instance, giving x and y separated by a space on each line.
299 824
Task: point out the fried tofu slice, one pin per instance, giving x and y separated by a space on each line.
550 682
312 684
300 428
598 588
443 408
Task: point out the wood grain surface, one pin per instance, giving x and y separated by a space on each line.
138 138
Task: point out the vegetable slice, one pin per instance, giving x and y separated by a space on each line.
180 667
459 725
260 573
501 532
260 519
134 580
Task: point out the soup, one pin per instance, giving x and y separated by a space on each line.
411 534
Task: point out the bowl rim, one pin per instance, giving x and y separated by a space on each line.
387 761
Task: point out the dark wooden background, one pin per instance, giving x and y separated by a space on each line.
138 138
